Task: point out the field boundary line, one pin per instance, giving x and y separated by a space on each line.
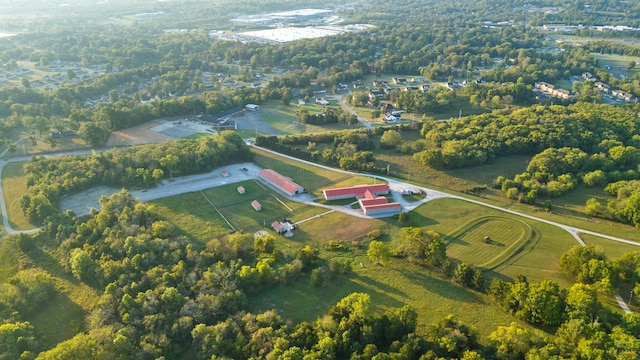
218 211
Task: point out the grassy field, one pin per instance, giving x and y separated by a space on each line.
68 305
390 286
612 249
192 215
617 62
507 237
13 187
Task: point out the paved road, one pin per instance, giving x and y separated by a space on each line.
349 110
82 203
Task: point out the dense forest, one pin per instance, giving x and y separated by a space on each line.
162 295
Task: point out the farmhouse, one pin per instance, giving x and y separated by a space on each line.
277 226
322 101
256 205
282 183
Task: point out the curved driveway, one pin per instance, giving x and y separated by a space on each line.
82 203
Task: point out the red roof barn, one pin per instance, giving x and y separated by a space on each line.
357 191
280 182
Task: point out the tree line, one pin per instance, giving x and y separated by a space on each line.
140 167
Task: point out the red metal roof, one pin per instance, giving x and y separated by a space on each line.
280 181
256 205
357 191
382 206
277 226
375 201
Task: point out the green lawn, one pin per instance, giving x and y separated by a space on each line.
14 187
507 237
611 248
392 286
192 215
243 217
62 315
617 62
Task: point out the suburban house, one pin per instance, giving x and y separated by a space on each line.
380 83
322 101
369 198
588 76
605 88
373 94
553 91
410 88
240 189
399 81
418 79
256 205
424 87
252 107
391 118
282 183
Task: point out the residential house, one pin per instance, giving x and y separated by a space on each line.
399 81
256 205
322 101
241 190
424 87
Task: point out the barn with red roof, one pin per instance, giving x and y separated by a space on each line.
357 191
369 198
280 182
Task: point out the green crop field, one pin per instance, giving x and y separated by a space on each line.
507 236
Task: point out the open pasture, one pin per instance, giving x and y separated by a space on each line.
505 237
14 187
192 216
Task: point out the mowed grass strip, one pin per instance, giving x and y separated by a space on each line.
612 249
192 215
228 194
13 187
313 178
506 236
244 217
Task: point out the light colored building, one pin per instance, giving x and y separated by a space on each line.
256 205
